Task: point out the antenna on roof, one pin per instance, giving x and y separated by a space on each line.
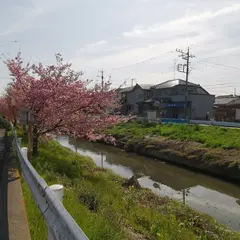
235 92
133 79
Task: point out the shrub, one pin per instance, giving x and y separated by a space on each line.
196 128
90 199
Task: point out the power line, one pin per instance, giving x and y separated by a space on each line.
146 60
174 67
221 87
218 57
221 84
223 65
129 65
225 36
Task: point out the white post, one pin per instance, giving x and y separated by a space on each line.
24 152
20 141
57 189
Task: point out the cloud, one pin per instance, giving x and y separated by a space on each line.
172 25
28 17
147 41
96 44
24 23
135 53
116 39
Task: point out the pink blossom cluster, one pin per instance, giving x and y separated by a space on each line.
60 100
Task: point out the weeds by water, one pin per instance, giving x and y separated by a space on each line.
209 136
106 210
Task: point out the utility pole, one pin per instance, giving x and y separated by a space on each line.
184 68
174 68
102 78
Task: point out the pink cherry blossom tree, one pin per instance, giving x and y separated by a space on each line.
61 101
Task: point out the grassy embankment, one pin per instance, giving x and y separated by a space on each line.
209 136
106 210
213 144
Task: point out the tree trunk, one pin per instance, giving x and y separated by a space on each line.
14 120
35 141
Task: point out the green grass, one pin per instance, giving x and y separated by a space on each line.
212 136
37 227
105 210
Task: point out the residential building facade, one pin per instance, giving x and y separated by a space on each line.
167 100
227 108
131 96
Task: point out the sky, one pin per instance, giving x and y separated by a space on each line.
128 39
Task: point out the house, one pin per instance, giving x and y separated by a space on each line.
227 108
171 98
167 100
131 96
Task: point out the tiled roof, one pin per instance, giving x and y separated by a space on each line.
227 99
143 86
173 83
234 102
224 100
127 89
146 86
167 84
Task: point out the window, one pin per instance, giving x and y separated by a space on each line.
158 93
147 95
182 90
174 91
190 90
140 96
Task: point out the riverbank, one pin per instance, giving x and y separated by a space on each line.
212 150
105 209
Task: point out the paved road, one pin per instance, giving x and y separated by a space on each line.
3 190
2 132
13 218
17 216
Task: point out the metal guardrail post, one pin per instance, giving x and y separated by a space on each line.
57 189
58 220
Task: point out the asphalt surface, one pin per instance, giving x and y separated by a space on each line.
4 234
13 218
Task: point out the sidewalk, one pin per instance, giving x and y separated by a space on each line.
3 190
17 216
13 218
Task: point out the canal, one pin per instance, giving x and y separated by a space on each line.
206 194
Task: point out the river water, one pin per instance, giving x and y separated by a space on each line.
204 193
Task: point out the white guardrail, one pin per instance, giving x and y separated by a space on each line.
216 123
60 223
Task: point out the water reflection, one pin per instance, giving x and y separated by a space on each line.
206 194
